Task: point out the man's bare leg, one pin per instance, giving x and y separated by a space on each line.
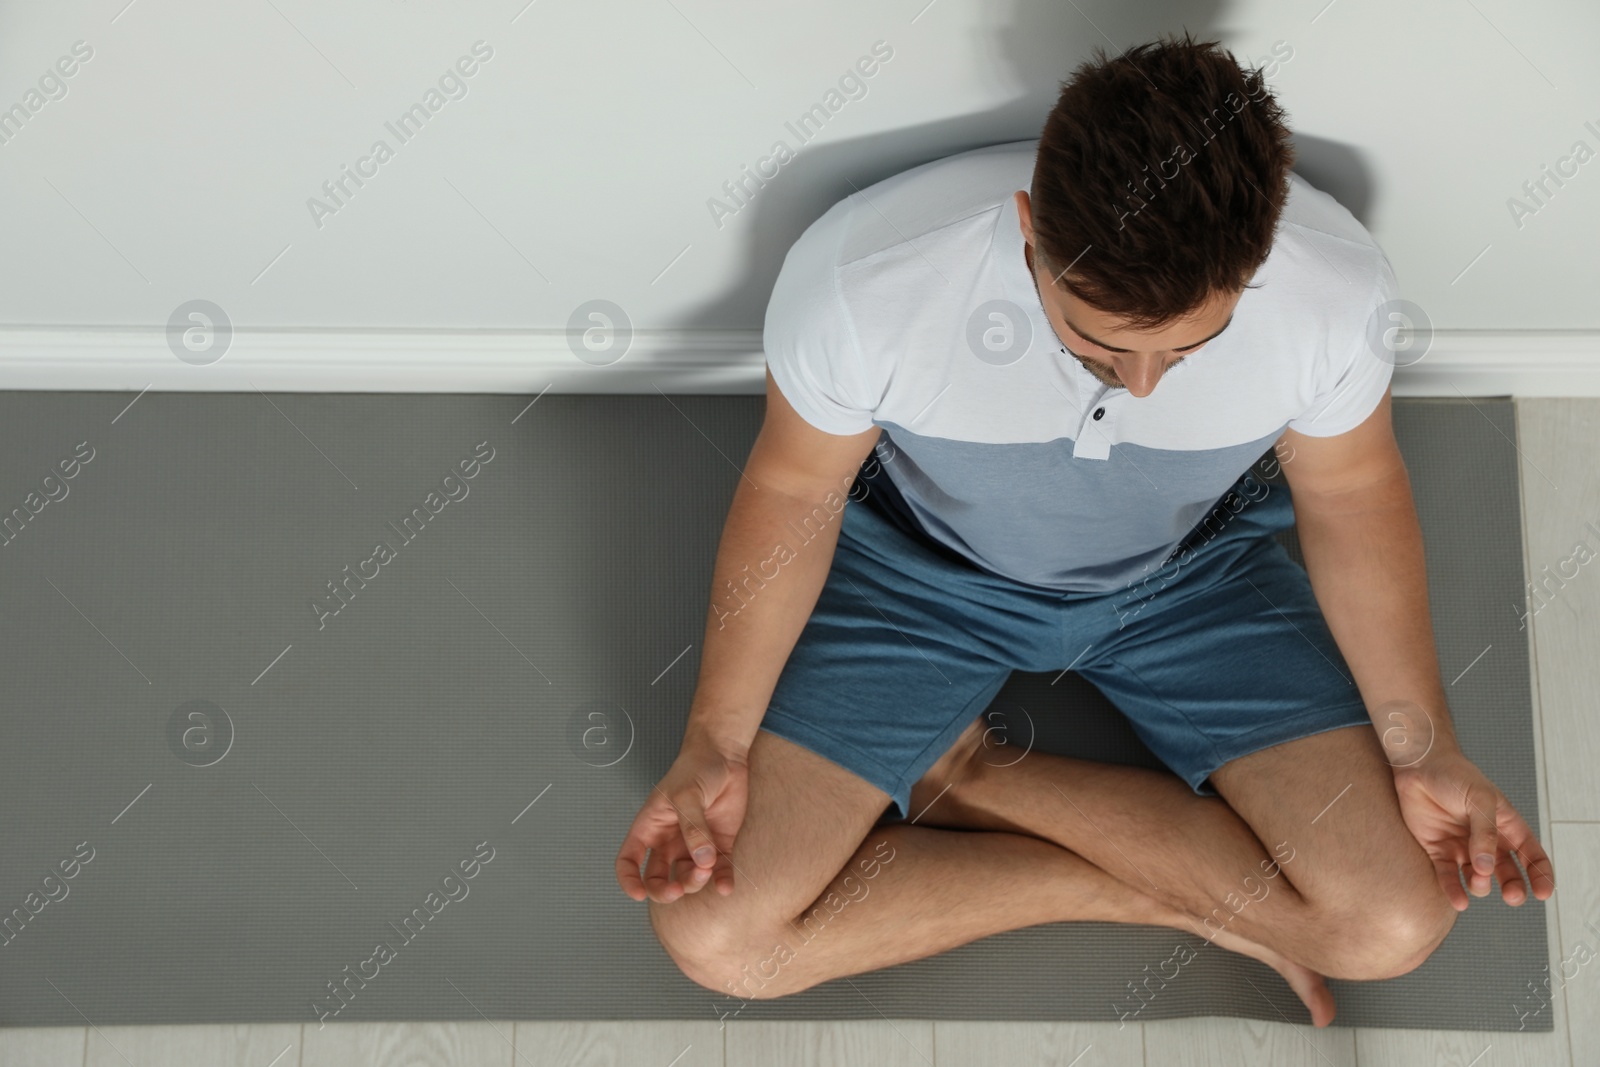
905 891
1327 801
820 892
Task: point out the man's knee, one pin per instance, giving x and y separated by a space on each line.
1391 934
696 934
718 947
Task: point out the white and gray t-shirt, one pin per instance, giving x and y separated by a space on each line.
1033 469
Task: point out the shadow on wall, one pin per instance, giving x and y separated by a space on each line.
1039 50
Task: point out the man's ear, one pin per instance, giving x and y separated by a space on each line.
1024 213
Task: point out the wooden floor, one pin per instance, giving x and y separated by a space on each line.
1559 442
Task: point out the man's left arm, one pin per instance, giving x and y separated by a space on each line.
1362 545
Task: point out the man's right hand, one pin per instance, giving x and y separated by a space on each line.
687 825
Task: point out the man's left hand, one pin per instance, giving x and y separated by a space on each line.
1464 822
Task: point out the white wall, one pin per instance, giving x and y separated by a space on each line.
581 160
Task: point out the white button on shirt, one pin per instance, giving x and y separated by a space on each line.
1093 440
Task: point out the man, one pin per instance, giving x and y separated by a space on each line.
1070 388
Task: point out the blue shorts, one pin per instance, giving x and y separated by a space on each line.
1220 652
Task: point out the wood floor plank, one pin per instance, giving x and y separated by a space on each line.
1460 1048
1218 1042
673 1043
980 1044
881 1043
44 1046
1559 438
1577 970
480 1044
223 1045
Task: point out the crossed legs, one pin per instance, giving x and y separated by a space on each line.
1304 857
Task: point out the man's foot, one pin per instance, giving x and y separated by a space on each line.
1306 983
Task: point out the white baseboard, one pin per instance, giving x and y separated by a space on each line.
1460 362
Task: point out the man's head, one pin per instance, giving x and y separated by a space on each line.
1159 180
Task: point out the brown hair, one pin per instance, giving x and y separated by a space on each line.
1159 180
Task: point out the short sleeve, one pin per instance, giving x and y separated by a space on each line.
1351 388
809 340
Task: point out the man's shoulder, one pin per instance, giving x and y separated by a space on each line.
1338 253
915 203
856 255
924 200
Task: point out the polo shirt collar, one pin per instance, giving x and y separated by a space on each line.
1013 267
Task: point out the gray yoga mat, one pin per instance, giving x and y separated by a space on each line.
251 793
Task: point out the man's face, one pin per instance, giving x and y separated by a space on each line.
1121 358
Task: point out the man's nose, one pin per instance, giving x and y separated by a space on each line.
1140 375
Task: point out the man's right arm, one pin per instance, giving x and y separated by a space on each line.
683 837
795 473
